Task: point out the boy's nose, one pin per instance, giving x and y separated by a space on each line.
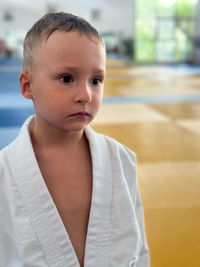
83 95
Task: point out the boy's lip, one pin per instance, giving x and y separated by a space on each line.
80 113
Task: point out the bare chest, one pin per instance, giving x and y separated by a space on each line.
70 186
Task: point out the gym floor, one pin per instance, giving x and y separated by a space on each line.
155 111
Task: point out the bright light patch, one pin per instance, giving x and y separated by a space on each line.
193 1
168 3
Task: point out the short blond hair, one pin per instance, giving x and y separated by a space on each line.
50 23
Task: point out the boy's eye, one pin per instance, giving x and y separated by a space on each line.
66 79
96 81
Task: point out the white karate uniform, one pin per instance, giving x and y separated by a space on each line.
31 231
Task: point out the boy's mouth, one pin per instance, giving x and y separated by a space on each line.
81 114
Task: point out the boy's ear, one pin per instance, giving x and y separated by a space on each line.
25 84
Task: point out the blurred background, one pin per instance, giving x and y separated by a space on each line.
151 104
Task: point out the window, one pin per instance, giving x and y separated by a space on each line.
164 30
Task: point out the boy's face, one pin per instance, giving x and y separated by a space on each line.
66 82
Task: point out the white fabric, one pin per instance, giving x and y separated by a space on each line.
31 230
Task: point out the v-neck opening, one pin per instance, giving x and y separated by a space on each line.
43 213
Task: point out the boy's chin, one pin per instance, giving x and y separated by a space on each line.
77 128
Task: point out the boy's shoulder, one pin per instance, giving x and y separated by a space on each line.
7 166
11 154
5 151
114 147
109 154
7 158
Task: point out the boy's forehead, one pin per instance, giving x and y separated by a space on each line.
71 42
63 45
69 37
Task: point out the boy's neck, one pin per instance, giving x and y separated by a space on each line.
54 138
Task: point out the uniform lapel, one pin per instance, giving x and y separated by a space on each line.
40 207
97 243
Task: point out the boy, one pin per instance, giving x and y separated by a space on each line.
68 196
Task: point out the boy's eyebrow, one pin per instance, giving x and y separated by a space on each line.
102 71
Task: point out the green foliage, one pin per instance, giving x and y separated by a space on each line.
145 28
144 50
185 8
145 8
